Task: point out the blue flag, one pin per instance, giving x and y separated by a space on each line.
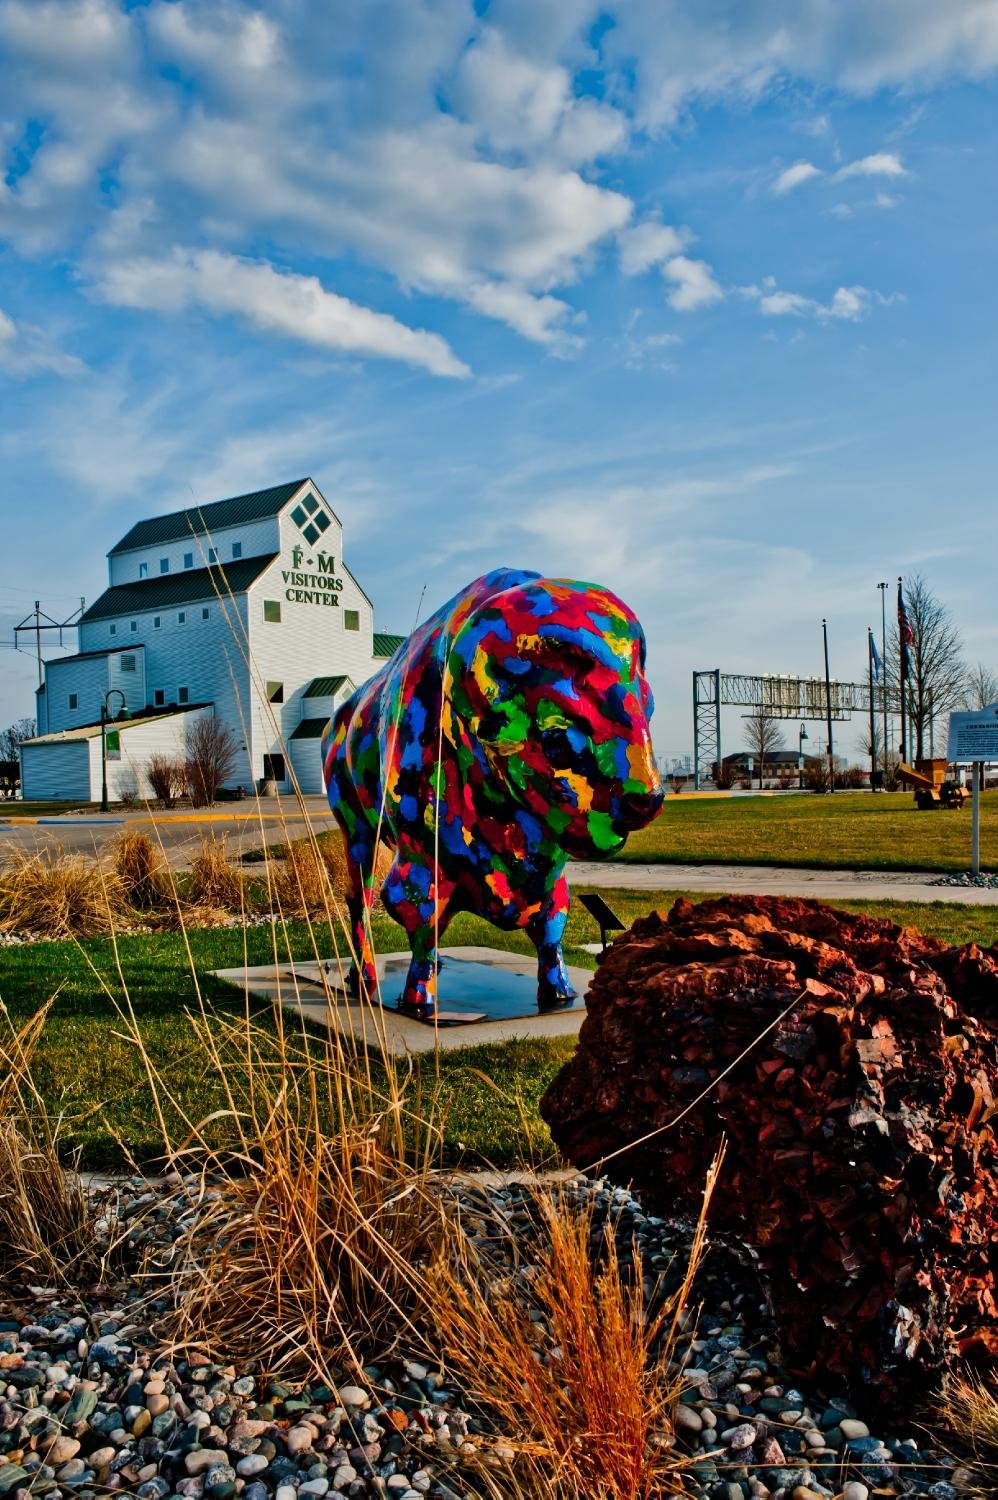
876 658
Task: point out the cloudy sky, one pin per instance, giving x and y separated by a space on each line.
693 298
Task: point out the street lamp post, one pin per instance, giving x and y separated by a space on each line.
107 717
802 736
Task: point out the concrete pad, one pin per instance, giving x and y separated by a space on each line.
317 991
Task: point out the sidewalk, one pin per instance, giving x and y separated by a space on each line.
760 880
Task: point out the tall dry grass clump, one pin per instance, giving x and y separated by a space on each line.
311 880
568 1357
141 868
46 1233
57 894
309 1215
969 1414
212 879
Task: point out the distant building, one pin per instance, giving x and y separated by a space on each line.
241 608
781 767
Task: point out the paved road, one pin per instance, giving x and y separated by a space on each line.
273 821
246 826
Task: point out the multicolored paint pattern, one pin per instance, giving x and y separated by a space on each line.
510 731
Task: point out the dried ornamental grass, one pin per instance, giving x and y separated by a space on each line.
568 1358
57 894
970 1415
45 1226
141 868
213 881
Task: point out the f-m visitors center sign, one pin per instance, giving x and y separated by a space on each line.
320 587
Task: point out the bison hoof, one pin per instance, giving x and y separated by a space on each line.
555 999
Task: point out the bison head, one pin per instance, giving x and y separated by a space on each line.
546 680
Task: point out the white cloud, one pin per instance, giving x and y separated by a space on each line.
25 350
293 306
880 164
649 244
886 200
792 177
692 284
541 319
849 303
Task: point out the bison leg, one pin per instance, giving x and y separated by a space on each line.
415 900
554 988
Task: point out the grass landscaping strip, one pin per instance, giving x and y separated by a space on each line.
90 1075
847 831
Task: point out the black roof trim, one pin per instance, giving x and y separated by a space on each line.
191 587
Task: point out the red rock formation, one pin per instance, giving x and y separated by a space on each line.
860 1122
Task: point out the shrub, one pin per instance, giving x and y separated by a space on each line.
211 758
167 777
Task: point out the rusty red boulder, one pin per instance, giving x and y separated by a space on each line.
851 1066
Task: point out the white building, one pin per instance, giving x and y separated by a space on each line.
243 608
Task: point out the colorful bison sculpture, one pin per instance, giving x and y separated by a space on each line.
508 732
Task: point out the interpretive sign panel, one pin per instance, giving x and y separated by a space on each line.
974 736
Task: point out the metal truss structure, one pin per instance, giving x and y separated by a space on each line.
801 698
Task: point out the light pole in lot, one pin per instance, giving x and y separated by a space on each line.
802 736
106 718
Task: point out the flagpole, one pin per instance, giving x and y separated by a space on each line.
902 666
873 720
828 711
883 670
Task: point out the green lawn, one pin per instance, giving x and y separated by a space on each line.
90 1075
15 809
850 830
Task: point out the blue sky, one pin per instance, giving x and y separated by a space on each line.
693 298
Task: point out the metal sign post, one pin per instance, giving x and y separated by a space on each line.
973 740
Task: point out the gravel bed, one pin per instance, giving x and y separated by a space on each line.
134 929
984 882
90 1403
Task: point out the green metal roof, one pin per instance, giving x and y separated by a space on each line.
309 729
387 645
324 687
120 726
202 520
177 588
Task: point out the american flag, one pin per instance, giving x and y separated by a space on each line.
905 631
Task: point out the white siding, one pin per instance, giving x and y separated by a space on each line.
306 758
139 743
58 773
310 641
258 538
88 679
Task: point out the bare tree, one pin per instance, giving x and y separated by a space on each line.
14 736
980 687
211 755
763 735
937 676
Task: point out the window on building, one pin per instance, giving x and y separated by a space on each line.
159 698
183 695
155 622
351 619
74 700
212 555
272 611
128 663
133 625
188 559
273 768
143 570
164 565
205 612
237 549
182 617
275 692
112 629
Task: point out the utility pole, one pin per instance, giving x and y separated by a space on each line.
828 710
873 732
38 623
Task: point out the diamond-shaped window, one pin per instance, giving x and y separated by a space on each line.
311 533
322 520
311 504
299 515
